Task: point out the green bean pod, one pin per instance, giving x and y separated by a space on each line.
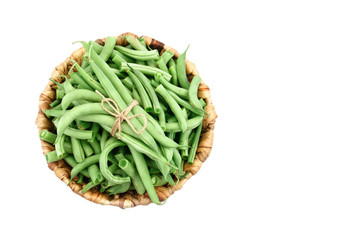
181 70
104 165
175 108
79 94
125 165
193 90
143 171
184 93
191 124
78 151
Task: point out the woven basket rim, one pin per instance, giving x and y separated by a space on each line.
130 198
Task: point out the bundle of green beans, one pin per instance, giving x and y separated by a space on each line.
131 161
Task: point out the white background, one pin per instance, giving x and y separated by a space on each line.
284 78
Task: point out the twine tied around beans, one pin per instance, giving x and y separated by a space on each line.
121 116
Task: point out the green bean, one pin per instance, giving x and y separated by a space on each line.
162 65
145 136
47 136
168 153
82 125
95 129
71 115
203 103
175 108
144 174
135 43
60 93
153 171
146 103
158 181
191 124
89 80
98 49
108 48
53 113
95 174
154 84
118 60
68 87
166 56
128 83
79 80
104 137
162 105
59 146
80 94
147 70
184 141
69 159
80 180
178 160
149 89
138 55
195 144
186 104
173 73
191 137
125 165
55 103
162 120
118 73
181 70
95 146
79 134
83 165
118 188
87 148
104 166
153 127
193 90
179 91
78 151
52 156
88 186
68 147
136 96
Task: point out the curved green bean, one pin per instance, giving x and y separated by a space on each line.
138 55
193 90
184 93
104 165
79 94
191 124
83 165
181 70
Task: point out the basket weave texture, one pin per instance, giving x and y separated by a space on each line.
130 198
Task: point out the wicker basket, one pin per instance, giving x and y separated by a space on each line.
130 198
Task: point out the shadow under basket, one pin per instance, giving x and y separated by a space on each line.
130 198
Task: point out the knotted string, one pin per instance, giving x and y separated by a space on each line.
121 116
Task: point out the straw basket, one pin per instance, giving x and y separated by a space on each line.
130 198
